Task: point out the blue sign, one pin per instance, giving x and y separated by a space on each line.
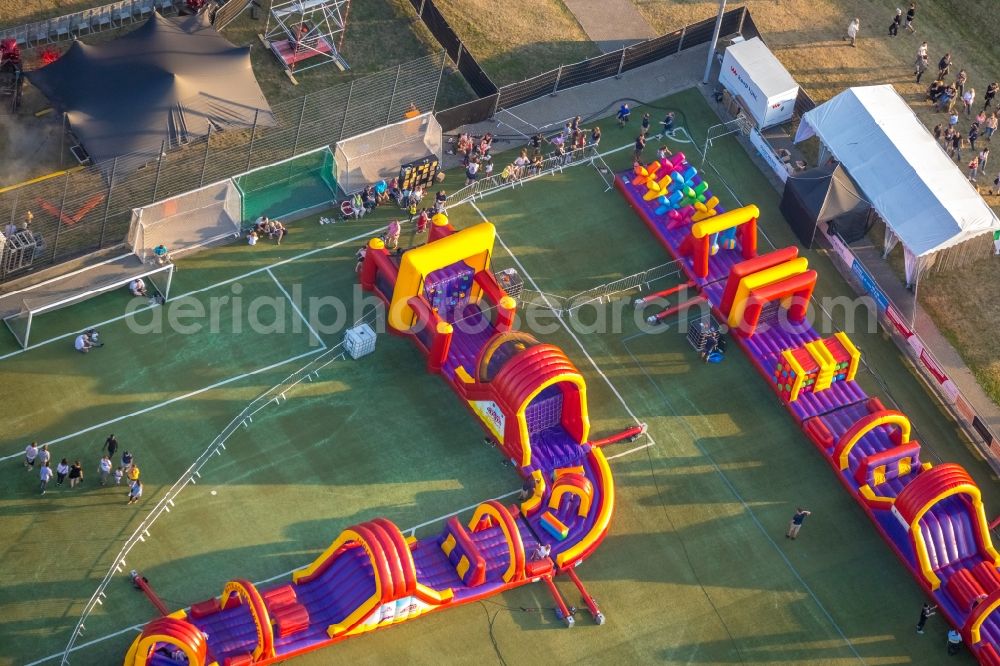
868 282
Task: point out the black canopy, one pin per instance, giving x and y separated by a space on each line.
822 194
168 80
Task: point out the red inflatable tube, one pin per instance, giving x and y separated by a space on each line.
391 560
748 267
660 316
382 571
663 293
628 433
514 538
477 565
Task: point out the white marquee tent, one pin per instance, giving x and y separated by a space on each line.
924 198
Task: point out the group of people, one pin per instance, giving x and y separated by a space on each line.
72 473
945 97
266 227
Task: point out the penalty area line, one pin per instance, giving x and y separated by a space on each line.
165 403
297 310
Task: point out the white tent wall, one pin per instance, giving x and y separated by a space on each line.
924 198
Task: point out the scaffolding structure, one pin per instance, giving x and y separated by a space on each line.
303 34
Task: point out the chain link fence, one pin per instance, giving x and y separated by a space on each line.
90 209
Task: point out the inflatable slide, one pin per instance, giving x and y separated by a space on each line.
531 400
932 516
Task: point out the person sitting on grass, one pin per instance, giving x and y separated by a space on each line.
276 231
252 238
82 343
137 287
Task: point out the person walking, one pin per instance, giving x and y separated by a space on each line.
973 136
911 14
956 145
944 66
111 445
925 613
984 158
135 492
920 66
974 167
75 474
44 457
960 81
990 126
126 460
852 31
62 469
640 143
668 120
30 453
45 475
796 522
896 20
623 114
922 50
104 469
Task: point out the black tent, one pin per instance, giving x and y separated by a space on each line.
168 80
824 194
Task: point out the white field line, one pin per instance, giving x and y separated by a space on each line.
409 530
197 291
297 310
160 405
534 285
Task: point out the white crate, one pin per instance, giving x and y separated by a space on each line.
359 341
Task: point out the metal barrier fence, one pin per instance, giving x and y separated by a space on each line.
273 396
90 209
86 22
640 280
228 12
474 74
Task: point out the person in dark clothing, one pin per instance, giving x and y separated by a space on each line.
640 143
925 613
668 124
911 13
991 92
944 66
110 445
896 20
973 136
796 522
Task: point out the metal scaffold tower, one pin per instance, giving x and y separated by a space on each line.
303 34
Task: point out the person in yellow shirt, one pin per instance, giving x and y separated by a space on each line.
133 474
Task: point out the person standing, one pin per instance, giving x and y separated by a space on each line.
62 469
644 128
989 126
623 114
937 133
896 20
44 457
126 460
668 122
991 92
960 82
133 474
111 445
75 474
974 167
984 158
30 453
922 50
973 136
925 613
956 145
640 143
968 99
104 469
135 492
911 13
852 31
119 475
796 522
954 642
45 474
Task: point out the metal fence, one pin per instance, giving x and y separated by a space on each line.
228 12
86 22
456 49
90 209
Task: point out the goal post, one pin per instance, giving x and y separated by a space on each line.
378 154
290 188
21 309
187 221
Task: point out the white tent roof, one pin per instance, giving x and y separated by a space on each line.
914 186
767 71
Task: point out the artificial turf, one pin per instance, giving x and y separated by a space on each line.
695 569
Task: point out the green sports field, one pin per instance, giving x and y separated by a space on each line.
695 569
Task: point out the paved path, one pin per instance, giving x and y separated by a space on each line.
611 24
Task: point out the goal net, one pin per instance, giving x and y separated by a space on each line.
289 188
378 154
21 310
187 221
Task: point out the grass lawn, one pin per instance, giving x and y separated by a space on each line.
693 571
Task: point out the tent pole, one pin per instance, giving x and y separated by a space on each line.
913 315
715 40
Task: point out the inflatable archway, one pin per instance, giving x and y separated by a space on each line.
248 594
864 425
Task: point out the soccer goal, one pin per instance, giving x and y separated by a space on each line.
378 154
22 309
187 221
290 188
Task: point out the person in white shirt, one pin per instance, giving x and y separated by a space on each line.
135 492
104 469
45 474
10 229
62 469
252 238
541 552
137 287
83 343
30 453
44 456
